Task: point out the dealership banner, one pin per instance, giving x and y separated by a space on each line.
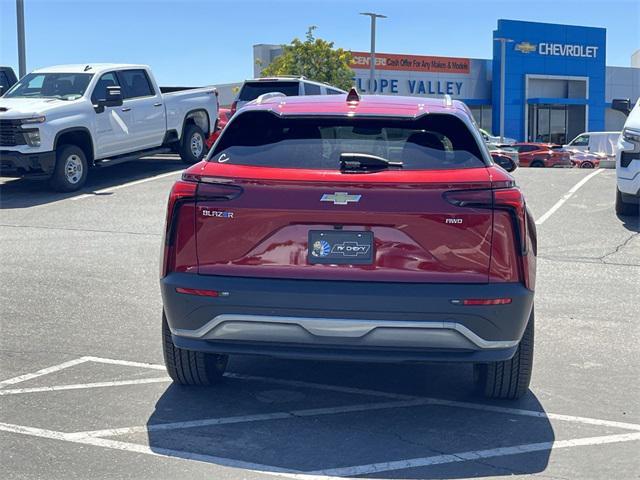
411 63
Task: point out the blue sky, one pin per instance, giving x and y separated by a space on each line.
209 41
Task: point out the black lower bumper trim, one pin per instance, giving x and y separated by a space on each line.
14 163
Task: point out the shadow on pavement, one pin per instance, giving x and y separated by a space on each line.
301 435
24 193
631 223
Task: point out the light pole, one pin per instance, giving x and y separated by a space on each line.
372 69
503 54
22 58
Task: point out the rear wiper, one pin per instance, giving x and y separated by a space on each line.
365 163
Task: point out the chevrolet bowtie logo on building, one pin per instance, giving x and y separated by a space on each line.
340 198
525 47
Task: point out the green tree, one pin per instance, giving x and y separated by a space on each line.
314 58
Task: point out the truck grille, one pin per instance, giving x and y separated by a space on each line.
10 133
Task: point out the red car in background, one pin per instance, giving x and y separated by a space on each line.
542 155
224 115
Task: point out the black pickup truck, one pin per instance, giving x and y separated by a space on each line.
7 79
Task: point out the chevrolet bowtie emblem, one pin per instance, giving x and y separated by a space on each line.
525 47
340 198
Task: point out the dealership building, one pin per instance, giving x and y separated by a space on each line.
557 82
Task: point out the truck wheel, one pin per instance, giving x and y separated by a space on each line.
509 379
192 146
624 208
537 164
70 171
190 368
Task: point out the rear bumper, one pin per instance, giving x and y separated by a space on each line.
13 163
369 321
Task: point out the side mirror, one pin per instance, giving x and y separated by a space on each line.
622 105
114 96
505 162
113 99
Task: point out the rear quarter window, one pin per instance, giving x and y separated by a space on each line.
252 90
432 142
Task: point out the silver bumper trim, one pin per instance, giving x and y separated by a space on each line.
239 327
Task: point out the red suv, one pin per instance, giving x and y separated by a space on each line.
346 228
542 155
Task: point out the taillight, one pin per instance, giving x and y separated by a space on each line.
511 199
182 191
482 301
217 189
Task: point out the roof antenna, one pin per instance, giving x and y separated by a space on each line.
88 67
447 101
353 96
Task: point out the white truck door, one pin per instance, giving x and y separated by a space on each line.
113 125
147 109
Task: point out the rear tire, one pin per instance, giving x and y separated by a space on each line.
192 146
509 379
537 164
190 368
626 209
70 171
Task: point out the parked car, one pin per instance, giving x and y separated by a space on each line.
287 85
59 121
346 227
581 159
498 152
542 155
224 115
603 144
7 79
628 160
495 140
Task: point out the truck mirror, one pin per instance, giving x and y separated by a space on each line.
622 105
114 96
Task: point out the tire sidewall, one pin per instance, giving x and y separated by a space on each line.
186 154
59 179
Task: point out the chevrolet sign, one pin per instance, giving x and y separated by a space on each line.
340 198
525 47
558 49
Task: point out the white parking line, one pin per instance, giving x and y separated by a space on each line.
44 371
326 474
260 417
372 468
127 363
318 386
566 197
124 185
82 386
137 448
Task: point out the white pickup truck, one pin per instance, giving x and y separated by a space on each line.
57 122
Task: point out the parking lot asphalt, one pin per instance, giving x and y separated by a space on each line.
83 393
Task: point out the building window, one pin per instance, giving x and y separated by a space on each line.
482 115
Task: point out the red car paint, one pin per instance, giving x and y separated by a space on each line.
224 115
249 221
541 155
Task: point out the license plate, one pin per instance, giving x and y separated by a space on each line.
338 247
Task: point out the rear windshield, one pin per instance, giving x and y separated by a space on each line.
432 142
251 91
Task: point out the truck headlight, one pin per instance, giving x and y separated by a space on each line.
631 135
38 119
32 136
